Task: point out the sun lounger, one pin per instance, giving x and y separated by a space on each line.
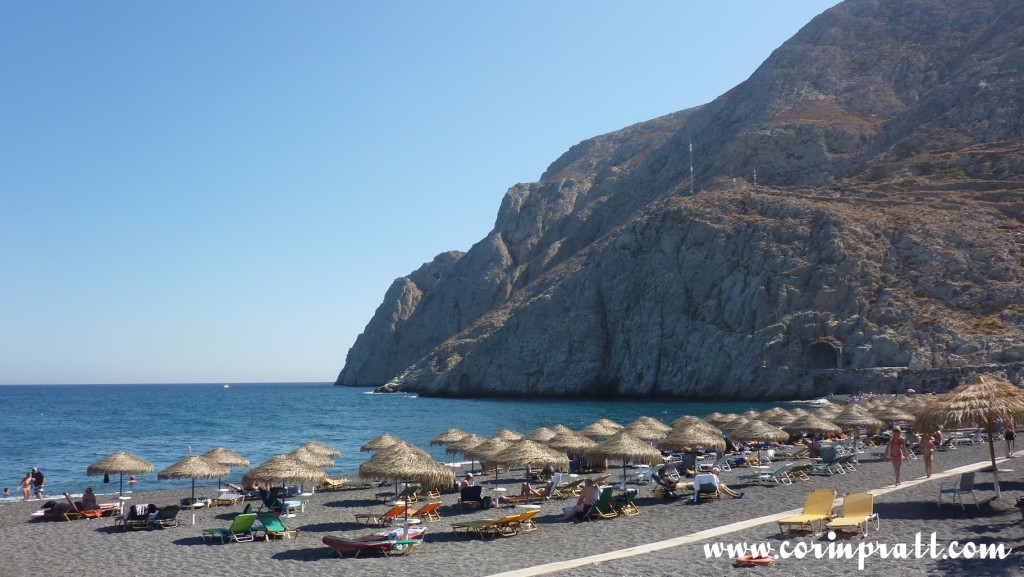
138 517
547 494
602 508
239 531
624 504
705 486
382 518
273 528
817 509
471 497
228 499
428 512
525 523
858 513
504 527
570 489
164 517
777 476
388 544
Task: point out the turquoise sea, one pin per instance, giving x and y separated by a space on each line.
63 428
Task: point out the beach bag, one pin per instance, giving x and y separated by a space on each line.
659 493
489 503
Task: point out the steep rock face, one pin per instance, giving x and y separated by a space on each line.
606 276
708 295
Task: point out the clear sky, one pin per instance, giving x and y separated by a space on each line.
222 191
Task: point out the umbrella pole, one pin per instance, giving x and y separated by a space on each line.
121 490
992 452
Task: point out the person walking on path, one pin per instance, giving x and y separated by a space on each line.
1010 435
897 451
38 480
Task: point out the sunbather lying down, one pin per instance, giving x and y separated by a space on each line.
526 490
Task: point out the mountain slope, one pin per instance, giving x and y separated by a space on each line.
884 231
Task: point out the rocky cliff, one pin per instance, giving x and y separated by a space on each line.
884 230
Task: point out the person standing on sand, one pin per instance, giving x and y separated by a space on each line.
927 447
897 451
1010 435
26 487
38 480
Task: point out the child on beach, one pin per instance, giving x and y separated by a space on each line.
927 447
897 451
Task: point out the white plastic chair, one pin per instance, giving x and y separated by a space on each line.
964 485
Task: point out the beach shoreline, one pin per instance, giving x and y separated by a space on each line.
94 548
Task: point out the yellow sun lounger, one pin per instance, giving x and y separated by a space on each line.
858 513
505 527
817 509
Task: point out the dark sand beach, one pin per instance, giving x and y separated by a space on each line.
658 541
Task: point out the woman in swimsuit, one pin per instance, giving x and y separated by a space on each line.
897 451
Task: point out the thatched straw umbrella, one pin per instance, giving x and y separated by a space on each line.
757 430
560 428
571 442
710 417
464 444
853 415
283 468
892 413
379 442
318 448
649 422
648 429
529 454
485 451
599 430
719 419
772 412
448 436
983 401
623 445
689 421
193 467
733 424
692 436
828 411
540 434
751 414
309 457
507 435
120 462
811 424
226 457
402 463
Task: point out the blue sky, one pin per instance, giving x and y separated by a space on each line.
223 191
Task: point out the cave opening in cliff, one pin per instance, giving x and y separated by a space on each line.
822 355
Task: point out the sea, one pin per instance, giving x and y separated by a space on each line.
62 429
